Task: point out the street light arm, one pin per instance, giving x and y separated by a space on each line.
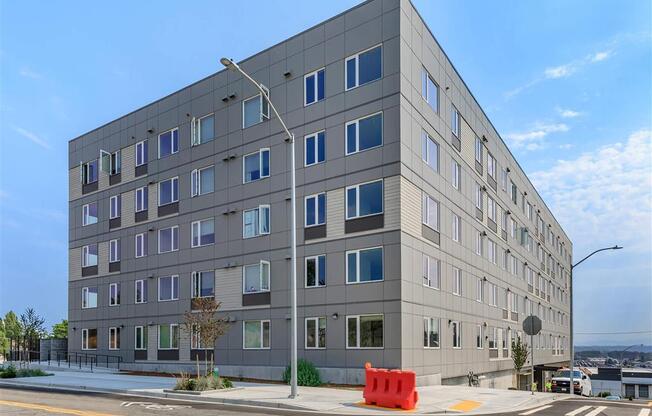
616 247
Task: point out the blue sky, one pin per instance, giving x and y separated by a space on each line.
567 85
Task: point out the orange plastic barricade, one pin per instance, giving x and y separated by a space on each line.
390 388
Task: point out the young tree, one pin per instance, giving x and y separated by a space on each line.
520 353
4 342
13 330
33 329
60 330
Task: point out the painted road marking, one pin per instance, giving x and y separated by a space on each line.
578 411
538 409
644 412
51 409
155 406
596 411
465 406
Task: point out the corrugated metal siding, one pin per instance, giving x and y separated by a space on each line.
392 202
128 209
228 288
335 213
74 184
152 201
410 208
103 258
74 263
128 163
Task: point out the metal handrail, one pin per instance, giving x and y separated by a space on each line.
72 358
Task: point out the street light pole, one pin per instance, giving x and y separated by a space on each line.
571 387
230 64
622 353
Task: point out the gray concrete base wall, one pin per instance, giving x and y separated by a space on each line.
53 346
495 380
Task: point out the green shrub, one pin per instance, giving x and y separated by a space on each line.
604 394
9 372
203 383
307 374
226 383
27 372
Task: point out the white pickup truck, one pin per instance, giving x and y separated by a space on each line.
581 382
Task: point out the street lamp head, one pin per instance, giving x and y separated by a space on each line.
229 64
616 247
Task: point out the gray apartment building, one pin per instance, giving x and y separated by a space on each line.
421 242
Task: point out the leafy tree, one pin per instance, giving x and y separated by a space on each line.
4 342
32 324
60 330
520 353
13 329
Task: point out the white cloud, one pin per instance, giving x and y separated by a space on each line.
534 139
29 73
604 196
561 71
568 113
566 146
32 137
600 56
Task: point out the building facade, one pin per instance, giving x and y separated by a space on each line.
421 242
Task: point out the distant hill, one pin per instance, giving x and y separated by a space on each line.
610 348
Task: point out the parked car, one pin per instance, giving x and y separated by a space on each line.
613 397
581 382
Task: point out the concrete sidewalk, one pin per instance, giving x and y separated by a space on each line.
432 399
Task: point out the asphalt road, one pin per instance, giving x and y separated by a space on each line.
588 407
33 402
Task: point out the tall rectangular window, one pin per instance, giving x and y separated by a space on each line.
457 228
364 133
315 333
456 175
431 272
430 332
430 212
203 284
491 209
256 221
202 181
141 199
491 166
457 334
168 239
141 153
491 251
255 166
478 196
455 121
168 288
115 206
89 297
168 143
89 255
114 251
140 337
256 335
457 281
316 271
478 243
202 232
168 191
114 294
364 331
89 338
430 151
364 265
478 150
514 193
479 290
89 214
479 336
315 207
364 199
315 148
503 179
255 110
256 277
429 90
115 163
314 86
168 337
89 172
140 288
202 129
363 67
140 245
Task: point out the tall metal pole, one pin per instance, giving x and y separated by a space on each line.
532 355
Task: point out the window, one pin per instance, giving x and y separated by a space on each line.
514 193
429 90
203 284
493 338
430 332
457 281
168 288
140 291
364 331
202 181
140 244
456 171
513 228
89 338
168 191
141 199
479 290
478 196
491 208
457 334
364 265
478 150
203 232
478 243
493 294
114 338
315 148
255 109
315 210
491 166
430 151
196 341
255 334
316 271
89 172
364 199
114 251
255 166
89 255
491 251
115 206
89 297
168 143
503 179
141 153
202 130
455 121
314 86
255 221
140 336
430 212
168 239
315 333
364 133
431 272
479 338
456 228
168 337
256 277
363 67
89 214
111 162
528 211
